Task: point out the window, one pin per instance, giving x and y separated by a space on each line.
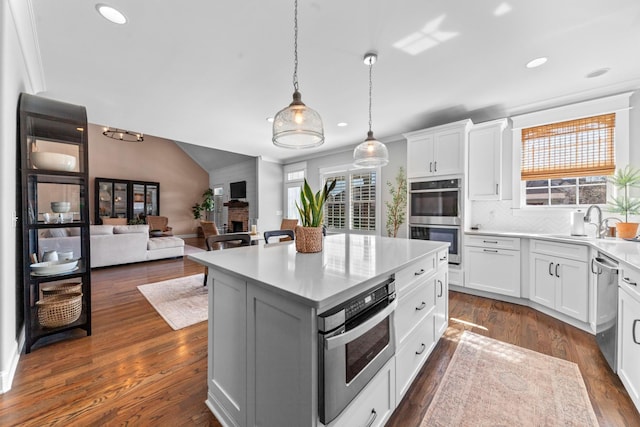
351 205
566 163
294 175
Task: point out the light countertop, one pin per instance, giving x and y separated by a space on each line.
619 249
347 266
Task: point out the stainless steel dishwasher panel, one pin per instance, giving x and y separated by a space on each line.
606 307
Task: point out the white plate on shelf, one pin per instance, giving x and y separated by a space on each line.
54 267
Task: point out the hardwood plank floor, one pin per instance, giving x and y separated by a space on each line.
136 370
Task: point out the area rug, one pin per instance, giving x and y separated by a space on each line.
181 302
491 383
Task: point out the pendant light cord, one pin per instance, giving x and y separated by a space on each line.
370 91
295 46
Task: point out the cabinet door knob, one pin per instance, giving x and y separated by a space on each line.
441 288
490 241
419 272
422 348
494 251
633 331
629 282
557 265
372 418
421 306
435 166
430 166
550 267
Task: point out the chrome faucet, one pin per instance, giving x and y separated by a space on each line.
598 224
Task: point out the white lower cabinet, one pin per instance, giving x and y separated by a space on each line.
375 403
493 264
560 283
441 313
629 338
413 352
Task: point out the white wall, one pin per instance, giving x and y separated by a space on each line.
20 73
500 215
245 171
397 157
270 197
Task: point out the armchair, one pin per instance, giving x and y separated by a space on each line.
159 223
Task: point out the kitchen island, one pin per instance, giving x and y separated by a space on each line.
264 301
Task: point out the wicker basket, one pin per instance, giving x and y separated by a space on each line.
61 288
308 239
59 310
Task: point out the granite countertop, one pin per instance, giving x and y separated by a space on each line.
347 266
619 249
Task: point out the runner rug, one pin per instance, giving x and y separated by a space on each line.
491 383
181 302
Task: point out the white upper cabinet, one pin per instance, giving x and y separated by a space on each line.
486 158
437 151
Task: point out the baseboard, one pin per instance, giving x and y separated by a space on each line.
6 377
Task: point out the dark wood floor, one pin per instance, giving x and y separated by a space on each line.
136 370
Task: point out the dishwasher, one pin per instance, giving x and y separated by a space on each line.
606 270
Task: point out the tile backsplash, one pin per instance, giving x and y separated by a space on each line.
500 216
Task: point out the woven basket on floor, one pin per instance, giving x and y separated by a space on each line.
61 288
59 310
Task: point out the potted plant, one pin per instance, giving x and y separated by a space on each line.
311 210
624 180
396 208
207 205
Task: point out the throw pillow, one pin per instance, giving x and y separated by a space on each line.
131 229
101 230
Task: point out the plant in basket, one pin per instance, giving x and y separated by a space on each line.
311 210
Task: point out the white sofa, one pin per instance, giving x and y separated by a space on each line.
113 244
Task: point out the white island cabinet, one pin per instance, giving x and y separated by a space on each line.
264 301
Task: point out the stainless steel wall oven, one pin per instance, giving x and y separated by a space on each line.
435 213
355 340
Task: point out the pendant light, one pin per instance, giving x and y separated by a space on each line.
370 153
297 126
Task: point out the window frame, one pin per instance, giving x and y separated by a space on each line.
294 183
618 104
349 170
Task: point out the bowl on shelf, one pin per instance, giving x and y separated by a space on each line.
53 161
60 207
54 267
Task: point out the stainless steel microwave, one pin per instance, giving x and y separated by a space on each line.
435 202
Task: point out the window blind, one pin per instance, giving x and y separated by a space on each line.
574 148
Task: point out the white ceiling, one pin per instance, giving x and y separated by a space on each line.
210 72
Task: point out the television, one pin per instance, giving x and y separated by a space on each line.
238 190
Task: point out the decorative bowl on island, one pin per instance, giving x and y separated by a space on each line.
53 161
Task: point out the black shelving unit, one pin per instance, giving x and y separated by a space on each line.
121 198
49 126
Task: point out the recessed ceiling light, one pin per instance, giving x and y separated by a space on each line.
343 124
502 9
111 14
270 119
598 73
536 62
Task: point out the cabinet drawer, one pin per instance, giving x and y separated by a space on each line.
412 354
629 279
442 257
417 271
375 403
566 250
493 242
413 305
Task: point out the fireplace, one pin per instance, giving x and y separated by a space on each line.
237 216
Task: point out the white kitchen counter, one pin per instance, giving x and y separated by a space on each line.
619 249
348 265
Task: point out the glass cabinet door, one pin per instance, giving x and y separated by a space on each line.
105 199
138 200
152 207
120 199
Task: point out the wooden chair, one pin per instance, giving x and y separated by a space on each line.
159 223
275 233
225 241
114 221
209 228
288 224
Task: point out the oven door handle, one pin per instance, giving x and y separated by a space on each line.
358 331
